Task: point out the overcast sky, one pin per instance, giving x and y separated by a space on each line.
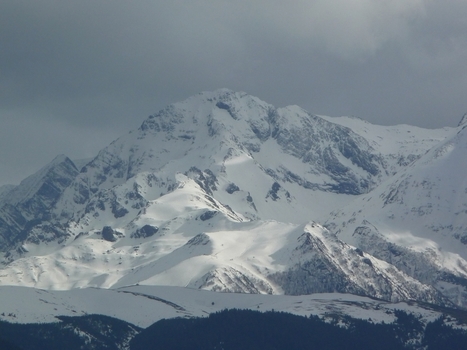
74 75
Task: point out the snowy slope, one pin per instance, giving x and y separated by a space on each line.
217 252
402 139
144 305
222 192
418 219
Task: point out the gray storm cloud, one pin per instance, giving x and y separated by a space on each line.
351 29
77 74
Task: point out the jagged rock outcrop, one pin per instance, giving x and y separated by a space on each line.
31 202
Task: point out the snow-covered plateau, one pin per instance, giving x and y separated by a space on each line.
144 305
225 193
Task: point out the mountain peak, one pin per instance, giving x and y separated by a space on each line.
60 166
212 192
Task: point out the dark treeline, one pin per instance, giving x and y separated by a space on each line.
246 329
72 333
236 329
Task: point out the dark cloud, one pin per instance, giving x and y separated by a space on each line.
76 74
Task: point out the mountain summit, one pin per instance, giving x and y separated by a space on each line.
225 192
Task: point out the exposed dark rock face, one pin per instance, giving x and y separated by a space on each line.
230 280
12 223
108 234
331 265
205 179
231 188
419 265
199 239
208 215
307 142
30 203
273 191
145 232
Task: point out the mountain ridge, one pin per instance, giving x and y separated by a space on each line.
173 203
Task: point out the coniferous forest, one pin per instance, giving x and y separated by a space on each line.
236 329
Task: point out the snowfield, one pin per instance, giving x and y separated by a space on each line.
144 305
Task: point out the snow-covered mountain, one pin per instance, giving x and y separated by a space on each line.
417 220
225 192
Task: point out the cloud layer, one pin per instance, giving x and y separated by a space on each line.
77 74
